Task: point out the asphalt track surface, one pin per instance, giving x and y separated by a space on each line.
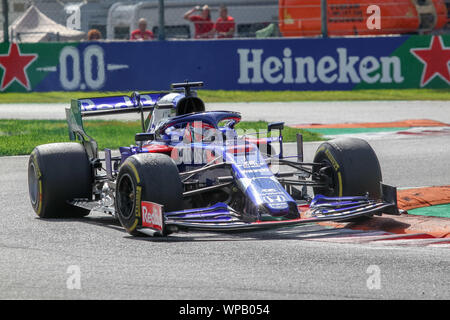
37 256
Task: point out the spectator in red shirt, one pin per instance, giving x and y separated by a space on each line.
142 33
225 24
204 27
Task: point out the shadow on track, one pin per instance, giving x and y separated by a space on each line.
304 232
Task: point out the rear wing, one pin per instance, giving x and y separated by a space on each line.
89 107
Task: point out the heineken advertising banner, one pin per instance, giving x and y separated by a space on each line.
270 64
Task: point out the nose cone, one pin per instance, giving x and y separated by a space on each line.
286 208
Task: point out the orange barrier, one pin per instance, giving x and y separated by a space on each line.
408 199
351 17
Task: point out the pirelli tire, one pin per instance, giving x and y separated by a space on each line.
149 177
58 173
354 168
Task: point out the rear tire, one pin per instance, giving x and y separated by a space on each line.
146 177
354 168
58 173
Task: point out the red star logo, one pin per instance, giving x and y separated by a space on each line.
14 65
436 59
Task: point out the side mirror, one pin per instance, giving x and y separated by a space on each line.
139 137
275 125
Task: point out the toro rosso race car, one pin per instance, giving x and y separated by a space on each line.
190 169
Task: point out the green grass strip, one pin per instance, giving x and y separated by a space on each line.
441 210
19 137
249 96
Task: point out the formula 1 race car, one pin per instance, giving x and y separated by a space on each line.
190 170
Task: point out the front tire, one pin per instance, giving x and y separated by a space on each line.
58 173
354 169
146 177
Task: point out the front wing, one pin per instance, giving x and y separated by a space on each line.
222 218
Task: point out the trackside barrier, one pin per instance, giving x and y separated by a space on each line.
264 64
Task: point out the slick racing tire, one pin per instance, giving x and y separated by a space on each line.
146 177
353 168
58 173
